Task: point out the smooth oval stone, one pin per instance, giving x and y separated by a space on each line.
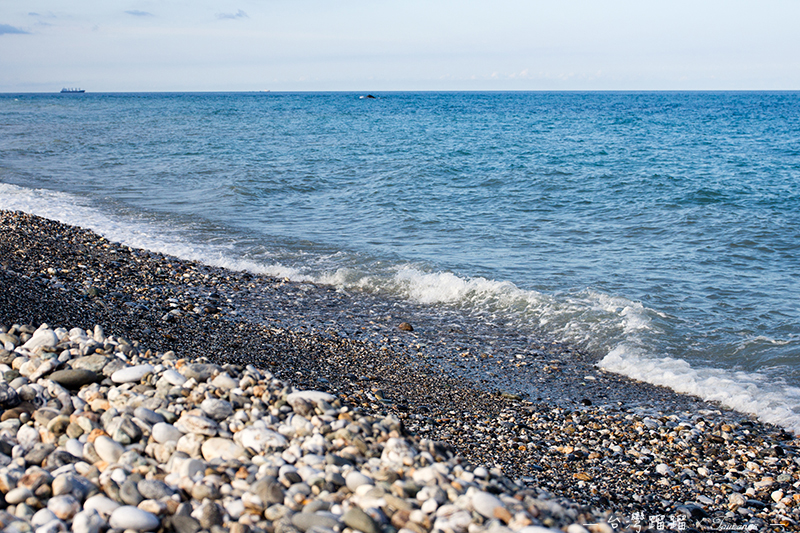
153 489
216 409
163 432
42 517
74 378
355 518
64 507
197 424
199 371
18 495
485 503
260 439
219 448
75 447
102 504
147 415
305 521
87 521
191 468
355 479
224 381
95 363
131 374
108 450
173 377
185 524
313 396
129 517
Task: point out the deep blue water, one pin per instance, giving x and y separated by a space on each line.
659 230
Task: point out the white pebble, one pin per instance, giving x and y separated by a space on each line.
131 374
129 517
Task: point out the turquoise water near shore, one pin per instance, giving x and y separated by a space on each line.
660 231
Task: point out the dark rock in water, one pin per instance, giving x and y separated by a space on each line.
586 401
8 396
74 379
405 326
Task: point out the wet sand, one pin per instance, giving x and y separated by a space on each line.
539 409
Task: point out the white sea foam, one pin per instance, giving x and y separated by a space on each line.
746 392
599 322
137 233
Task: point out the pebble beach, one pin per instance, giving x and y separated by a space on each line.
141 392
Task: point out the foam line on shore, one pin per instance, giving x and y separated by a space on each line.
598 322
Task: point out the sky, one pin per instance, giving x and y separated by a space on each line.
381 45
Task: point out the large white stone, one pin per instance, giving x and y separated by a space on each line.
129 517
224 381
27 436
174 377
102 504
131 374
356 479
197 424
64 507
216 408
313 396
87 521
259 439
18 495
42 337
163 432
108 449
485 503
192 468
224 449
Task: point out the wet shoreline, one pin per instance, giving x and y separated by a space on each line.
536 408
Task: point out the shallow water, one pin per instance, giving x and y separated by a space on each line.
659 231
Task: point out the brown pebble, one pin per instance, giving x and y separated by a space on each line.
405 326
502 514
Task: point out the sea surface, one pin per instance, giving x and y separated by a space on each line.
659 231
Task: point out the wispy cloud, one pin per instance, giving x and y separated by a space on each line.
238 15
6 28
137 13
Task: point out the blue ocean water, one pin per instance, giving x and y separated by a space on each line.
660 231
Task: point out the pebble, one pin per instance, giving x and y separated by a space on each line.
163 432
174 377
74 378
128 517
219 448
131 374
108 450
237 449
